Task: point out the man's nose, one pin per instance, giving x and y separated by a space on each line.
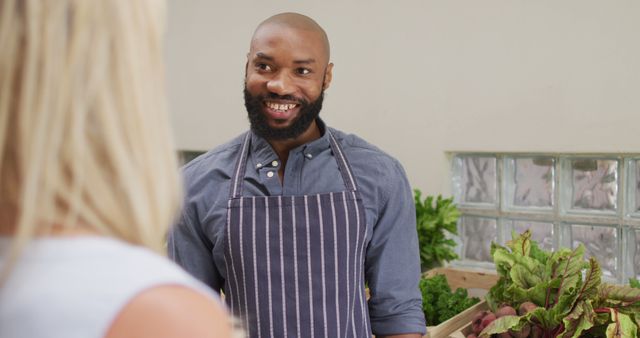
281 84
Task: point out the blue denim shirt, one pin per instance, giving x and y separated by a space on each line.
392 264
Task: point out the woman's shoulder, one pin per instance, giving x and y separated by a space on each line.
131 268
89 284
170 311
168 302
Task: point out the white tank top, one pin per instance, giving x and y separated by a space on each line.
75 287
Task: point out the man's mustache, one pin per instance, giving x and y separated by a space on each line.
274 96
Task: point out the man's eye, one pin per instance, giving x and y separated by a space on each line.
263 66
303 71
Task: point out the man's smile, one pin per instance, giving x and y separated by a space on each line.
281 111
280 106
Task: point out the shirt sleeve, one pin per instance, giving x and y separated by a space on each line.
189 247
392 263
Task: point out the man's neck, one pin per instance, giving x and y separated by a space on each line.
283 147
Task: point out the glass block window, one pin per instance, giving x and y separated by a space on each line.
478 230
633 187
636 191
632 252
600 242
594 184
530 182
564 199
477 179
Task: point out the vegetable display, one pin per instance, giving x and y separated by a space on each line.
439 303
558 294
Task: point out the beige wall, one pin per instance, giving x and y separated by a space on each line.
421 78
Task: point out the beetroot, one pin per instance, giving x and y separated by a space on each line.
476 323
490 317
526 307
505 311
536 332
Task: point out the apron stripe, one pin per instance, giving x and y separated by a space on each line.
322 265
255 263
282 280
356 275
231 291
306 209
266 210
361 275
295 260
348 260
335 257
244 273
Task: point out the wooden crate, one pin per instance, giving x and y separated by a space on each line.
477 283
452 328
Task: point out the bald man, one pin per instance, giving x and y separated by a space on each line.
292 218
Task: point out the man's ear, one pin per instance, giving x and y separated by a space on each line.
328 75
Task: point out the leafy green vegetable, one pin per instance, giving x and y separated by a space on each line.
433 223
439 303
571 300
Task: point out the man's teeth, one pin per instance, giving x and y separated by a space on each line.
282 107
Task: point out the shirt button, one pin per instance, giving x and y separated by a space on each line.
259 165
309 156
274 163
270 174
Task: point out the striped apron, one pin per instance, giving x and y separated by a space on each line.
295 263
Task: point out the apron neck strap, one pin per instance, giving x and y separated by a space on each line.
345 168
235 190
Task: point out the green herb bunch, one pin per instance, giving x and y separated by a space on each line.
569 299
433 223
439 303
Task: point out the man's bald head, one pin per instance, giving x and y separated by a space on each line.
298 22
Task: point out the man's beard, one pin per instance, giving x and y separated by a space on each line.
309 111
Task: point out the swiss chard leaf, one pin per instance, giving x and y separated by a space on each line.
563 306
580 319
539 254
503 324
536 294
592 280
568 267
621 326
623 298
544 317
526 272
521 245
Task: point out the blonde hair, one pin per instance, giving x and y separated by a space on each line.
84 132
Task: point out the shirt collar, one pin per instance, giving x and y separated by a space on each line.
263 155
